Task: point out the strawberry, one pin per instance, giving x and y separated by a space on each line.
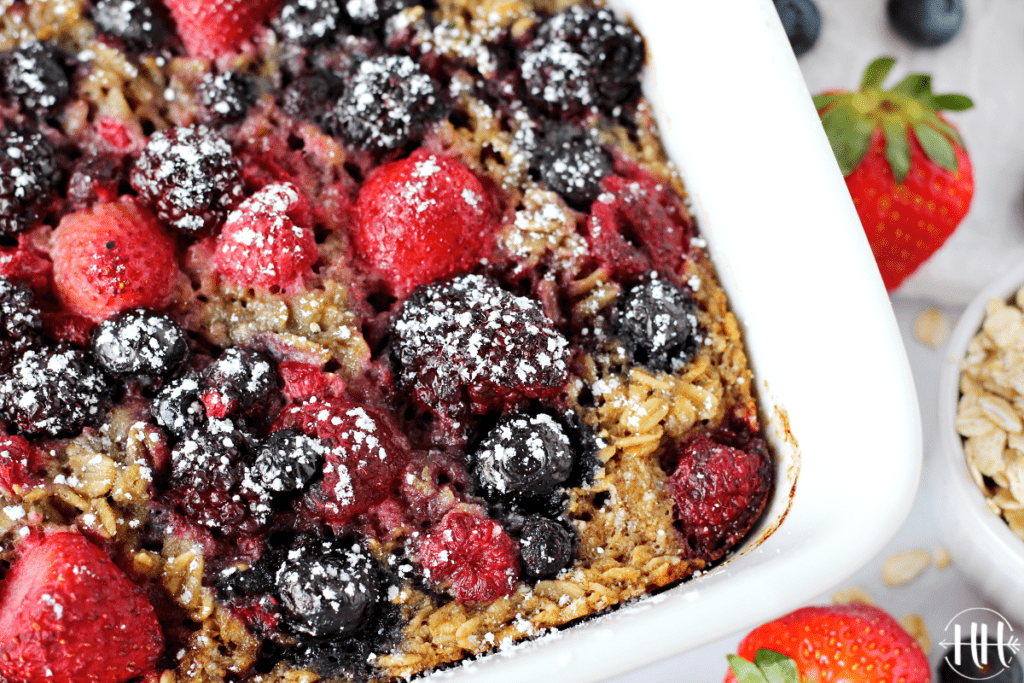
905 166
303 380
113 257
265 242
421 219
209 28
852 643
20 463
69 615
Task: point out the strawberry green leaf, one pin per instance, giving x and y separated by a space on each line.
745 671
918 86
776 667
822 101
952 102
849 135
897 149
945 129
936 147
876 72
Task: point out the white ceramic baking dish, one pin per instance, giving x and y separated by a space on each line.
834 382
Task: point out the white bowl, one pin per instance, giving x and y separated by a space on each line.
980 541
834 382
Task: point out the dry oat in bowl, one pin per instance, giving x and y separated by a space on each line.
348 342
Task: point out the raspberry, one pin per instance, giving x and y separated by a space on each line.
264 243
472 556
572 164
54 392
113 257
465 343
523 456
557 81
658 322
20 323
140 342
19 464
33 76
139 23
639 223
28 172
386 104
719 492
226 97
423 218
364 454
307 22
189 178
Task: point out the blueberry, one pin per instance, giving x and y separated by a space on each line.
572 164
33 76
992 671
545 547
140 342
239 379
327 594
312 96
802 22
288 460
523 456
926 22
657 322
177 408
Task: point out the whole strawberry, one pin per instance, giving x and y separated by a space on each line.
69 615
906 167
210 28
852 643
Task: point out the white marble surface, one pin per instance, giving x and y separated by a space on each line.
986 62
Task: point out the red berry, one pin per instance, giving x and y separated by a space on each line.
719 492
23 265
421 219
303 380
19 461
364 456
472 555
265 243
113 257
69 615
210 28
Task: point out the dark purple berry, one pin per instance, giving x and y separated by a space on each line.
140 342
287 461
21 322
239 380
928 23
178 408
466 343
367 12
307 22
523 456
545 547
557 80
141 24
657 320
28 178
312 97
328 594
802 22
572 164
226 97
53 392
387 102
96 179
189 177
33 77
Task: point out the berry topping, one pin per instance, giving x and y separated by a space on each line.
557 80
312 97
658 323
20 322
53 391
139 23
423 218
189 178
472 556
387 102
178 408
364 454
802 21
28 174
467 341
211 485
19 463
140 342
237 381
328 594
68 613
719 492
525 456
25 264
307 22
638 224
211 28
262 245
613 49
33 76
545 547
373 11
226 97
572 164
96 179
288 461
113 257
929 23
302 380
